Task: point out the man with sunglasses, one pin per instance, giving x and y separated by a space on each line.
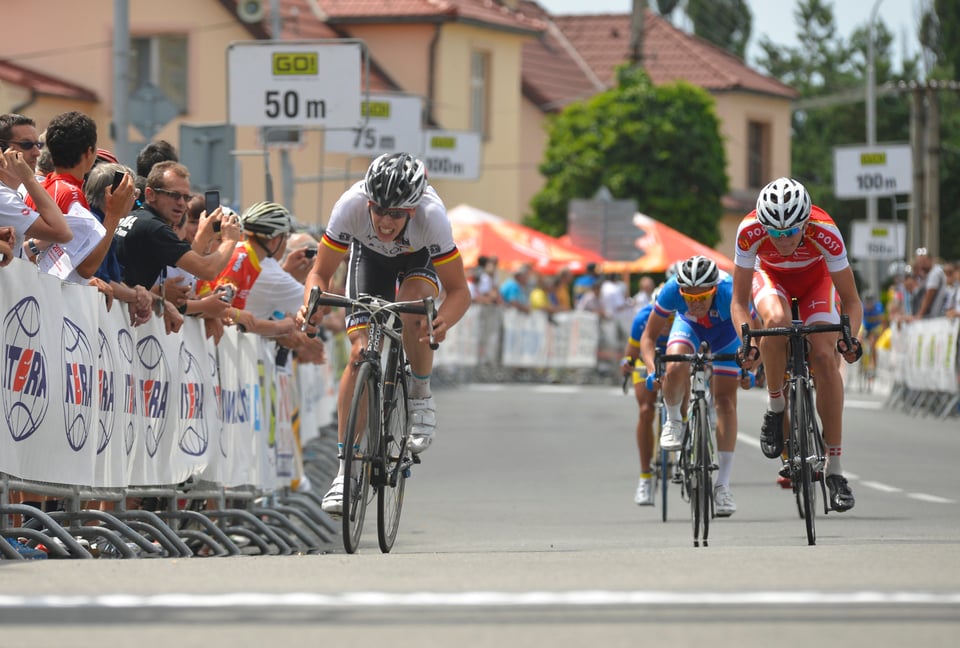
147 242
400 244
787 247
19 132
698 298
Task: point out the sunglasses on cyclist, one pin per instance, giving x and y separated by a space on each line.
26 145
395 214
697 298
783 233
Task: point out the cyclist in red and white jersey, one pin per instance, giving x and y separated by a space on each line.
787 248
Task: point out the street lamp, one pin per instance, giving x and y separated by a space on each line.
872 129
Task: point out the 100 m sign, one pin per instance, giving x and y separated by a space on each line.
288 104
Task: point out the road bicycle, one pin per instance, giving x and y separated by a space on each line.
805 450
696 459
377 457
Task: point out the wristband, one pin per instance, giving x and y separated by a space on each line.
34 250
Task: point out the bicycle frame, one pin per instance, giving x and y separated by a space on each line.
697 456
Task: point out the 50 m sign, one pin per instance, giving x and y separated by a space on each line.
295 83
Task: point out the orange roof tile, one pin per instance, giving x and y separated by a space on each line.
489 12
669 54
44 84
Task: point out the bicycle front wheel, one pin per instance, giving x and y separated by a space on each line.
360 443
396 464
704 467
805 426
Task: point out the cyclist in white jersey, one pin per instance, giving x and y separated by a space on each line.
400 244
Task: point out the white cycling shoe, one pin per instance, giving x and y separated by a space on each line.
671 437
332 503
422 419
644 494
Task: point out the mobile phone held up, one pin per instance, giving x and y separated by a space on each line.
310 252
211 200
117 179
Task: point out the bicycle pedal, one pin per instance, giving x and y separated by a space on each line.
416 458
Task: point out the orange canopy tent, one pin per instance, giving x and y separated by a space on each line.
660 245
479 233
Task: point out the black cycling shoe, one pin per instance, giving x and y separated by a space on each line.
841 497
771 434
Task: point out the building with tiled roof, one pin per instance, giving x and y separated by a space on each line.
754 109
494 67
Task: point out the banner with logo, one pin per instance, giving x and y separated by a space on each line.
930 360
48 379
110 467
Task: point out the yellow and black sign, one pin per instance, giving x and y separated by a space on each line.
376 109
442 142
871 159
295 63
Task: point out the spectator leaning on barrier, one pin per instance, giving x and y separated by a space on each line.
584 282
513 291
138 298
19 132
150 155
46 221
71 138
147 243
933 281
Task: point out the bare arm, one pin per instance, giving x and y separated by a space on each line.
118 204
648 341
740 303
210 265
455 304
51 226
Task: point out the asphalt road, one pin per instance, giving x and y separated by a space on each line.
519 529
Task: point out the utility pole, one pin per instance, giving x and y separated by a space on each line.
873 278
121 67
636 33
931 189
917 144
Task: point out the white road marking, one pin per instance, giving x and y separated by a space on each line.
436 600
882 487
936 499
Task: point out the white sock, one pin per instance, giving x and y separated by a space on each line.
673 413
419 386
776 402
833 461
726 467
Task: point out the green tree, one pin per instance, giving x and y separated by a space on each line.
825 66
659 145
725 23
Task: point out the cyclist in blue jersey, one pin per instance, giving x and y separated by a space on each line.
632 365
700 296
874 321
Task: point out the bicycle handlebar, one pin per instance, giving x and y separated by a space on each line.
372 305
798 329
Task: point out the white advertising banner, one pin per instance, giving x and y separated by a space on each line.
930 360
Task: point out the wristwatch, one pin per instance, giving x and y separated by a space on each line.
34 250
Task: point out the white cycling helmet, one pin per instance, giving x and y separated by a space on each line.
266 219
395 181
698 272
782 204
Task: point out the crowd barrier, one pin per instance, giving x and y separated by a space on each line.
922 367
99 410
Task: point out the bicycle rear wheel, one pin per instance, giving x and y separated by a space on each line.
360 443
805 427
396 465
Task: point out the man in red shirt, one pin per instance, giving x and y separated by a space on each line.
787 248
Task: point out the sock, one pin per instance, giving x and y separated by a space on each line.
775 401
419 386
833 461
673 413
646 475
343 463
726 466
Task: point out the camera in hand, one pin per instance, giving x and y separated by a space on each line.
227 293
309 253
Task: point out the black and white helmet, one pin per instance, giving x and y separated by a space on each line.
782 204
267 219
698 272
395 181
